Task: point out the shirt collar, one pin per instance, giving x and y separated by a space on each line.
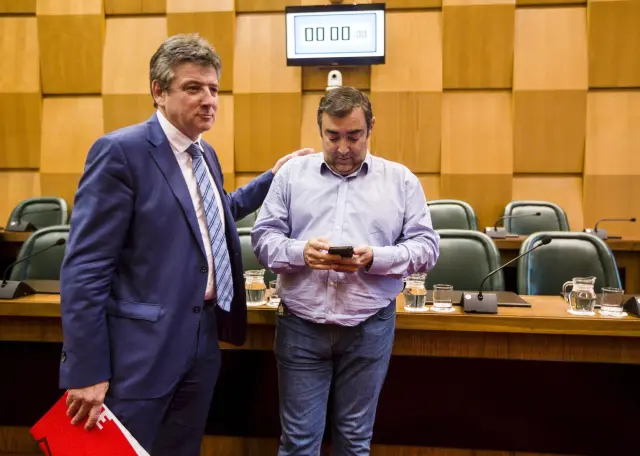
177 139
364 166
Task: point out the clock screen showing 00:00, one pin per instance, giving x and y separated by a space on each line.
349 34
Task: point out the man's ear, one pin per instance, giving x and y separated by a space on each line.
158 94
373 121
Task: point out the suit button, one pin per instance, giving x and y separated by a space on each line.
196 309
64 356
203 269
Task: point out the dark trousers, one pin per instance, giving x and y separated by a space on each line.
312 359
174 424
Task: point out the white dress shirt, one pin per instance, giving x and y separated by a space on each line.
179 144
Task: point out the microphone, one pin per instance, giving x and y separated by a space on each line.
602 234
22 226
480 303
493 232
12 289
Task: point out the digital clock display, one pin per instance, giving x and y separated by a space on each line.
326 35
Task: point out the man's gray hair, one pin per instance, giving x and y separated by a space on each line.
180 49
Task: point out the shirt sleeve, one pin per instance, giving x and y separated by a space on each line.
417 249
270 234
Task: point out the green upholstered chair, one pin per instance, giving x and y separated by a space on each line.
41 212
46 265
250 261
551 218
466 257
569 255
452 214
248 221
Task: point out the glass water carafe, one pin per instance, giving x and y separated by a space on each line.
415 293
582 297
255 287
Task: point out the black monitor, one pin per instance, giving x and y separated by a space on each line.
335 35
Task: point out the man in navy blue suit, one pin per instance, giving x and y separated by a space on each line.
153 275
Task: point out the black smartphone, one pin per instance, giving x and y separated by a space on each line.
345 251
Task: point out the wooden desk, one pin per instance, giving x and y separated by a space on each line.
448 370
14 236
544 331
626 252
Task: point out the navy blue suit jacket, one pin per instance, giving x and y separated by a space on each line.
135 268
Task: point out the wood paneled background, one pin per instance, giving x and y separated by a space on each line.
486 100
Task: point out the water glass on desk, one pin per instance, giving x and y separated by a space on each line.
442 296
611 303
274 298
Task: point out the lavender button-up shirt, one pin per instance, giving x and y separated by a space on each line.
381 205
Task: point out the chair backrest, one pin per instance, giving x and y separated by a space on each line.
250 261
551 218
47 264
569 255
466 257
248 221
452 214
41 211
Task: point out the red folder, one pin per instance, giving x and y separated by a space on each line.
56 436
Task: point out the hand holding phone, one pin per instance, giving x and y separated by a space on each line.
345 251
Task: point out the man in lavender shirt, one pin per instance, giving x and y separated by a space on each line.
335 327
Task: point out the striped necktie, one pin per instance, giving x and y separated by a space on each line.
222 265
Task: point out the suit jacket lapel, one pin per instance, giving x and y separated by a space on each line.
164 157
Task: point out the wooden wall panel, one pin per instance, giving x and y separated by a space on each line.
20 126
121 110
478 43
260 39
18 6
309 131
79 121
477 133
129 45
266 127
199 6
549 130
613 133
412 4
407 128
613 196
267 94
550 49
565 191
314 78
76 119
487 194
71 35
550 2
430 185
218 27
255 6
113 7
477 151
244 178
16 186
612 161
130 42
414 54
614 40
20 95
406 92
